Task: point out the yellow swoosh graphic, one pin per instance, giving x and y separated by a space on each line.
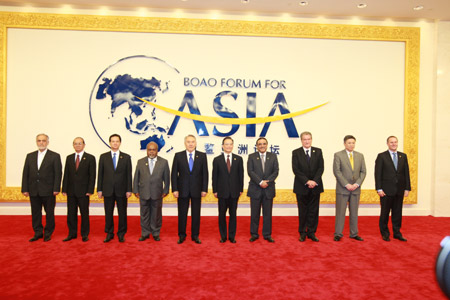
232 121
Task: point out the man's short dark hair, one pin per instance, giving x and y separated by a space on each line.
115 135
227 138
392 136
261 138
349 137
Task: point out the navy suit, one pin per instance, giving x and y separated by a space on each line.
394 183
189 185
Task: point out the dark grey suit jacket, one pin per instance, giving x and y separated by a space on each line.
114 182
47 179
82 181
228 184
256 174
342 170
155 185
305 171
391 181
186 182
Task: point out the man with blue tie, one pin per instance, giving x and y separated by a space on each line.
115 185
392 183
189 183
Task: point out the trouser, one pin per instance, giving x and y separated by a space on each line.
73 203
229 204
48 202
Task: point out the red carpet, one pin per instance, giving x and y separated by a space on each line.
288 269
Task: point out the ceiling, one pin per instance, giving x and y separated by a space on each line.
393 9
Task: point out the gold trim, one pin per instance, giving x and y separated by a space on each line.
409 35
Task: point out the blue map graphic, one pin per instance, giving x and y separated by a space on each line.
124 90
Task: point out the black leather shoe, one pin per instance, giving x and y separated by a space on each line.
222 240
313 238
121 238
196 240
233 241
253 238
270 239
69 238
142 238
156 238
337 238
181 240
386 238
35 238
302 237
85 238
108 238
47 238
400 238
358 238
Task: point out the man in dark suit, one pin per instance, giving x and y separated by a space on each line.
228 185
151 185
308 166
41 181
392 184
115 184
262 168
189 183
78 186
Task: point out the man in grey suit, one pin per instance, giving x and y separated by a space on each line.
262 168
151 185
349 169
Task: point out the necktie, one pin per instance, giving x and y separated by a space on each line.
77 162
351 161
395 160
191 162
307 156
152 164
263 161
228 163
114 161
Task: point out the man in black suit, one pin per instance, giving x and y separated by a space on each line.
228 185
115 184
262 168
41 181
308 166
392 184
78 186
189 183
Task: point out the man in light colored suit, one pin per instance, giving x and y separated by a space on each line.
262 168
151 185
349 169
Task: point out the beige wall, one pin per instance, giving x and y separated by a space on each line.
434 141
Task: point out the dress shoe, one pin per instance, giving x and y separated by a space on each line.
386 238
196 240
337 238
47 238
35 238
358 238
69 238
181 240
400 238
121 238
156 238
253 238
233 241
270 239
85 238
143 238
313 238
108 238
222 240
302 237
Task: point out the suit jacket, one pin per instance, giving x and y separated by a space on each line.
256 174
47 179
186 182
82 181
151 186
226 184
114 182
392 181
342 170
305 171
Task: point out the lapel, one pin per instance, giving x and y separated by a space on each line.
348 159
304 158
155 167
73 161
34 159
224 163
389 158
110 161
44 160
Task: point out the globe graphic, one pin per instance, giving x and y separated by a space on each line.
115 106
